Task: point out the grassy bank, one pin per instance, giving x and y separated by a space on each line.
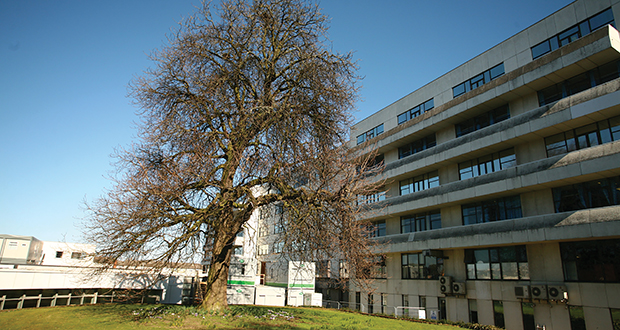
112 316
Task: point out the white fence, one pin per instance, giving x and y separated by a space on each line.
68 299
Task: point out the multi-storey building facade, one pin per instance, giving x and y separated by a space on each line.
502 196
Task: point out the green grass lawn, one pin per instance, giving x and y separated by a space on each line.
113 316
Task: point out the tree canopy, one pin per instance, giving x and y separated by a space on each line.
252 96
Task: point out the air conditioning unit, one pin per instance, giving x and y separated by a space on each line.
522 291
539 291
459 288
557 292
445 284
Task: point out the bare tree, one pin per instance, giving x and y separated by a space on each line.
251 98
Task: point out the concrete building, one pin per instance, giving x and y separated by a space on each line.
502 196
35 273
260 271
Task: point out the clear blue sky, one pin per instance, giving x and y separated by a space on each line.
65 66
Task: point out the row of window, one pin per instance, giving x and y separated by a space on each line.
419 183
74 255
503 263
263 249
598 193
498 314
492 210
583 261
371 198
576 315
324 269
579 83
417 146
487 164
420 222
370 134
377 229
604 131
586 195
420 266
591 261
416 111
573 33
478 80
480 212
481 121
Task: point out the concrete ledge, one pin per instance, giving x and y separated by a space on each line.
545 171
583 224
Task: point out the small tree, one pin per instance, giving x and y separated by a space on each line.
251 98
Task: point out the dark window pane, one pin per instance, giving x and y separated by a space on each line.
429 104
614 124
430 141
601 19
379 129
569 35
498 313
555 43
477 81
415 112
550 94
403 118
584 28
500 114
615 318
361 138
527 309
435 219
578 83
556 145
497 71
567 199
458 90
541 49
577 322
507 159
608 72
604 131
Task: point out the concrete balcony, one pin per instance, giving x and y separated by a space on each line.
582 224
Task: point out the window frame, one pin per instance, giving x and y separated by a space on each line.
415 111
504 208
580 30
497 264
370 134
422 266
479 80
415 222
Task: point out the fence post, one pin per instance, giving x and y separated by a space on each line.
20 304
39 300
94 300
2 302
69 299
82 299
112 299
54 300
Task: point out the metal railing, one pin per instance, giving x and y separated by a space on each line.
59 300
335 304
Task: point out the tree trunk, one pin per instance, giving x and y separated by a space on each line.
215 294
